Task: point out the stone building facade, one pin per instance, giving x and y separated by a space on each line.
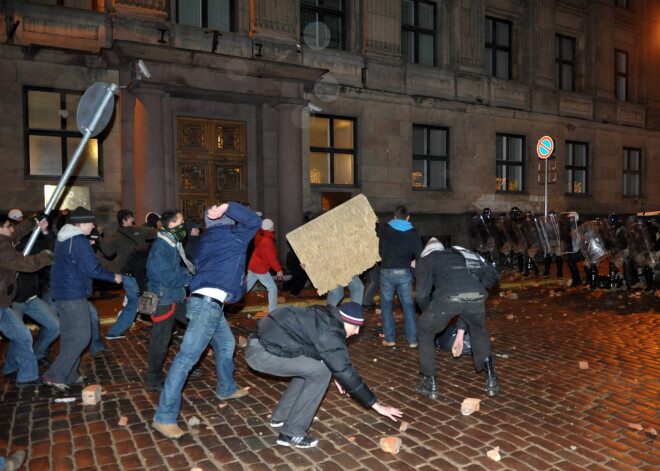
298 105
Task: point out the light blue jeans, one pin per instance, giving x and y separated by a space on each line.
268 282
22 360
397 280
207 324
355 287
127 315
96 344
40 312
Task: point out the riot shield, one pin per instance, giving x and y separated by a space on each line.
590 243
640 245
530 234
614 253
548 229
511 233
567 223
482 239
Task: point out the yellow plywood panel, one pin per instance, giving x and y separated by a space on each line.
338 245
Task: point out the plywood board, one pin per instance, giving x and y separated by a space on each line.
338 245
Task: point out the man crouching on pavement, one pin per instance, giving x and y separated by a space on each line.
309 345
456 292
220 267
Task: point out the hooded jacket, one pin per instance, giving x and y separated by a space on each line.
315 332
75 266
123 242
220 255
264 256
11 261
167 277
399 244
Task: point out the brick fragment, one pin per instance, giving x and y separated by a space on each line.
242 341
91 395
390 444
281 300
494 454
513 297
123 421
635 426
351 439
470 405
404 426
509 316
584 365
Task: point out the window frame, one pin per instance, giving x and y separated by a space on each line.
418 30
336 150
430 157
561 62
493 47
204 22
628 173
63 133
619 74
571 168
506 163
320 12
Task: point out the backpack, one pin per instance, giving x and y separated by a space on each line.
478 267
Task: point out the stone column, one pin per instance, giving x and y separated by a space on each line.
289 173
539 47
149 151
466 20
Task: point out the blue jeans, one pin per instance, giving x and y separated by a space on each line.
97 342
40 312
397 280
23 359
207 324
127 315
355 287
268 283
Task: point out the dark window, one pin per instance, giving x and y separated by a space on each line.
621 75
509 162
632 171
577 167
332 150
565 62
430 157
322 23
498 48
212 14
52 135
418 31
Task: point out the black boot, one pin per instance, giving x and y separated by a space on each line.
560 267
428 387
492 383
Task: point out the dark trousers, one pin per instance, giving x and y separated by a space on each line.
309 382
372 283
75 334
159 341
298 276
436 318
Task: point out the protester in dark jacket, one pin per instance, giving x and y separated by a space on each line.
445 289
71 283
309 345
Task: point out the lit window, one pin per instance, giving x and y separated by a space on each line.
565 62
576 167
322 23
430 157
418 31
498 48
509 163
212 14
52 136
632 172
332 150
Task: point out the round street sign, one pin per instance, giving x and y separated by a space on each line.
545 147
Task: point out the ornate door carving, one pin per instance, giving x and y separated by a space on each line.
211 164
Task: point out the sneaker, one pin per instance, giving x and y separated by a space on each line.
388 344
236 395
299 442
103 351
276 423
115 337
43 363
61 387
413 345
171 431
15 461
155 387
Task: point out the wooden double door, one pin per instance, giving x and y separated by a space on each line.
211 164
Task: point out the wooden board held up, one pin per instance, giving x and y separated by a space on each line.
338 245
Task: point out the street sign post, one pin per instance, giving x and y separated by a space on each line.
544 149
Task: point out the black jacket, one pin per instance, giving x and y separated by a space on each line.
398 248
315 332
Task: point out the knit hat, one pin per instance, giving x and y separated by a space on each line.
267 225
431 246
352 313
15 214
81 215
151 220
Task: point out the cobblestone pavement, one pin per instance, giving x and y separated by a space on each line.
550 413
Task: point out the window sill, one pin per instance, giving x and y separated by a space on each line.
439 190
578 195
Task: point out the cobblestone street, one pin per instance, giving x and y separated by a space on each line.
550 414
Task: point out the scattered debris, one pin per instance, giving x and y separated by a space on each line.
509 316
390 444
224 404
351 439
494 454
281 300
196 469
651 432
404 426
635 426
91 395
378 311
584 365
502 355
470 405
242 341
194 421
513 297
573 447
492 339
375 359
65 399
552 293
123 421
